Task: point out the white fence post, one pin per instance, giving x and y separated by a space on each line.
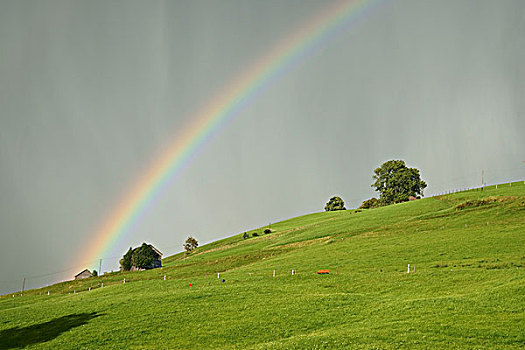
408 270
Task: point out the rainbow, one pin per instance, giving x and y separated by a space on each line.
215 114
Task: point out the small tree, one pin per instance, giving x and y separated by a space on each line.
370 203
245 235
190 244
95 273
335 203
395 182
125 262
143 256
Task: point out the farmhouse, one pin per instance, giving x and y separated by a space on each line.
83 274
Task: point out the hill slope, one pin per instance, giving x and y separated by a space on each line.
467 290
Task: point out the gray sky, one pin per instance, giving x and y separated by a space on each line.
92 91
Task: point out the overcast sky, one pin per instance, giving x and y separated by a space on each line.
92 91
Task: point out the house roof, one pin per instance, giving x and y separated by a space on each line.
81 272
156 250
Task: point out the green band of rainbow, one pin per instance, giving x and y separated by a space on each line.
214 114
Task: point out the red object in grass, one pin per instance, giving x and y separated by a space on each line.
323 272
190 284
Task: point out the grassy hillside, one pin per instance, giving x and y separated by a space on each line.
467 291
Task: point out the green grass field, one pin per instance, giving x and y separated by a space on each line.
468 290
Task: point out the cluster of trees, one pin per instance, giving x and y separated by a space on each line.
141 258
395 183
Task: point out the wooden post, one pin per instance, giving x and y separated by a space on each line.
414 268
273 273
101 284
124 280
89 290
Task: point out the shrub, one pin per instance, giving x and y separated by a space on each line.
245 236
370 203
268 230
335 203
476 203
95 273
255 234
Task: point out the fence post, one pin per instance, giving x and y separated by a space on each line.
408 269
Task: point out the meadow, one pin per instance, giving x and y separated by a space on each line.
467 290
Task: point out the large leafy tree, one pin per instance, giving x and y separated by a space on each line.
396 182
143 256
335 203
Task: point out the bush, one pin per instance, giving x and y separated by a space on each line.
476 203
245 236
95 273
370 204
255 234
268 230
335 203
